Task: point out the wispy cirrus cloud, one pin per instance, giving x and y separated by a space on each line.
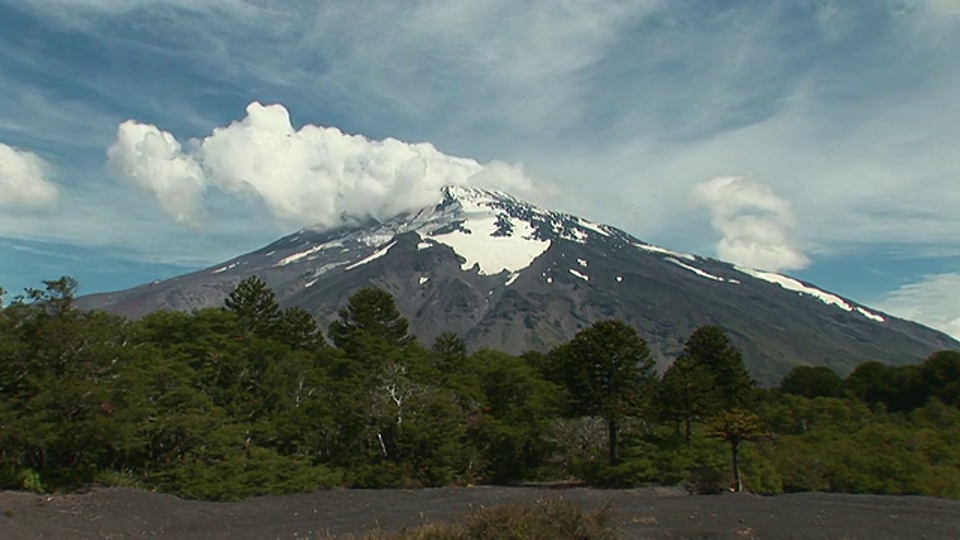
933 300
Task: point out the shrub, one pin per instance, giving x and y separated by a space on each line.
540 519
543 519
30 481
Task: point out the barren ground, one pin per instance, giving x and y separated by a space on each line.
642 513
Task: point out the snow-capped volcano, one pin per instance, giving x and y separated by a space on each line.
512 276
493 233
490 230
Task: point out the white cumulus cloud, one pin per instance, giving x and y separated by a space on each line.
755 223
313 176
154 161
934 301
23 181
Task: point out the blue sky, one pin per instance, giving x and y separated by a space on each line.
140 139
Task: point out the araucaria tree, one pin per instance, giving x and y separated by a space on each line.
370 312
684 396
255 305
609 373
710 348
736 426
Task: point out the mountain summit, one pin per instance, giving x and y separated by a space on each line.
511 276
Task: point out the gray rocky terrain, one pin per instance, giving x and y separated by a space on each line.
642 513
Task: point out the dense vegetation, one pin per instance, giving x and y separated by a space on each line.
251 399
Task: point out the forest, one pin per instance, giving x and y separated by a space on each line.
252 399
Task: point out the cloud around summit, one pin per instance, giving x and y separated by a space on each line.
313 176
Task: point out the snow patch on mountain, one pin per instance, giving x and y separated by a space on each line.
664 251
225 268
578 236
376 238
306 253
693 269
869 315
327 267
376 255
793 285
494 254
595 227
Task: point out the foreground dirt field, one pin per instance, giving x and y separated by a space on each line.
647 513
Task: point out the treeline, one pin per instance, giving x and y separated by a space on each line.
253 399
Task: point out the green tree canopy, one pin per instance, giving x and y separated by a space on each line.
517 407
812 382
941 376
898 388
868 382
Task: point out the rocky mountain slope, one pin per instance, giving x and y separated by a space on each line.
511 276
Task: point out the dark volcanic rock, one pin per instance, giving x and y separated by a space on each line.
507 275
